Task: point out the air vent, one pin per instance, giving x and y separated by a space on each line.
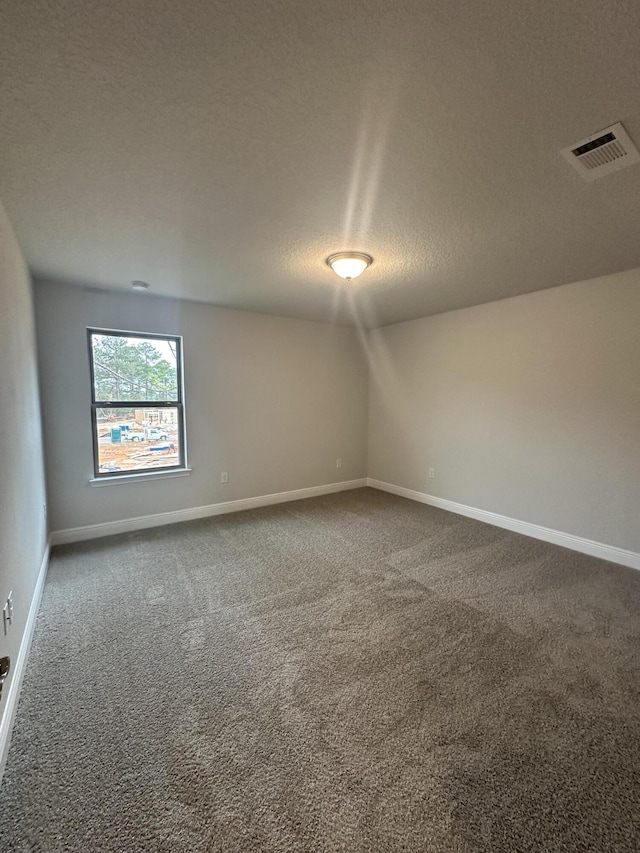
607 151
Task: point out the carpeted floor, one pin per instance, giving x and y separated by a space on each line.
350 673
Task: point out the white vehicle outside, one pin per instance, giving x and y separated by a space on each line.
153 434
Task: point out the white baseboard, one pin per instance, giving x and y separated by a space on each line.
126 525
547 534
18 668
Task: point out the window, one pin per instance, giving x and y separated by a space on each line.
137 404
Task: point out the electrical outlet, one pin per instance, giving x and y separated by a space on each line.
224 476
432 473
338 463
7 613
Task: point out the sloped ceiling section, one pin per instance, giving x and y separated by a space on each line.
221 151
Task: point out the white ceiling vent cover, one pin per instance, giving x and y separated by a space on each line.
604 152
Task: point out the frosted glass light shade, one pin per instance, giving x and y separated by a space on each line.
349 265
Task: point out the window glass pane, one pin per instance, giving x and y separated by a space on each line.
130 368
137 439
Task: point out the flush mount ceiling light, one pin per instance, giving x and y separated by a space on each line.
140 285
349 265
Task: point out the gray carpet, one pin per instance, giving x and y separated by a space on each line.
350 673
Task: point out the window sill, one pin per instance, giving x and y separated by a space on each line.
139 478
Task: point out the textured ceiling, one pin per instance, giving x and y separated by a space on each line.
221 150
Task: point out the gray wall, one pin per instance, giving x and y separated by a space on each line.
22 490
528 407
273 401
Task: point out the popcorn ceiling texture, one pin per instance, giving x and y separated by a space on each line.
222 150
352 673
